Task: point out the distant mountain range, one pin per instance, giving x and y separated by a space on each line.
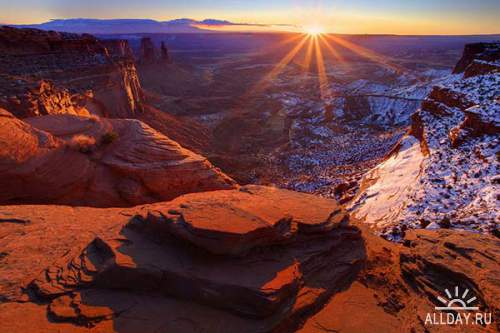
124 26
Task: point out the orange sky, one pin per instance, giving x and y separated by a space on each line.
361 16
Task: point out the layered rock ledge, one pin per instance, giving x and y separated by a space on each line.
150 268
90 161
84 74
252 284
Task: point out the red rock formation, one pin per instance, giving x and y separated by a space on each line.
119 48
441 98
149 54
96 162
100 76
449 181
247 259
187 133
109 270
400 285
480 123
19 42
475 124
417 130
447 98
249 220
30 99
120 92
52 73
164 56
477 68
147 51
261 217
477 51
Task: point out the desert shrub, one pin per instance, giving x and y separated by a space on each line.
109 137
82 143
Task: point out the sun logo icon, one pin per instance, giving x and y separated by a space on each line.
457 302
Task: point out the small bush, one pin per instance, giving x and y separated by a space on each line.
109 138
82 143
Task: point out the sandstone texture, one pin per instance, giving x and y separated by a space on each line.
167 267
149 54
99 162
48 73
400 286
83 73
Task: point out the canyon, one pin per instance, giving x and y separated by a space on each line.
150 190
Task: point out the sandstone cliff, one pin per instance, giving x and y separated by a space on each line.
94 76
46 73
28 98
92 161
477 53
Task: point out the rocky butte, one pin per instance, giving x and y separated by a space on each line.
110 225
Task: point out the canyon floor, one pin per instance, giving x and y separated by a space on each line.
248 182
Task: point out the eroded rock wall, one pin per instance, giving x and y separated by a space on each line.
93 75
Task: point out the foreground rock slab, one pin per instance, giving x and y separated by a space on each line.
150 268
265 284
259 216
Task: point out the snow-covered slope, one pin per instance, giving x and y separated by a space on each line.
389 186
385 101
445 172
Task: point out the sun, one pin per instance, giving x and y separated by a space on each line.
314 30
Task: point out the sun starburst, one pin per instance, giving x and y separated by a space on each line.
308 48
314 30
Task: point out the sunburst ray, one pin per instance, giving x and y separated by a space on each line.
366 53
335 53
320 64
471 300
295 37
278 68
309 54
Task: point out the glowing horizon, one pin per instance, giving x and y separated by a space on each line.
313 42
427 17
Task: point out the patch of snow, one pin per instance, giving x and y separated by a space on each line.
393 183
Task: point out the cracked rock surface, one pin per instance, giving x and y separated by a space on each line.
151 267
